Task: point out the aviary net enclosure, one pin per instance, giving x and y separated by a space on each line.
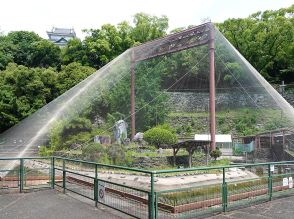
195 81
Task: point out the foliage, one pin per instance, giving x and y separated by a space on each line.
215 153
259 171
159 136
72 74
118 155
66 133
45 54
42 71
25 90
45 151
272 33
195 194
95 152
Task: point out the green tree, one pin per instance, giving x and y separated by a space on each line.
272 33
45 54
215 153
72 74
74 51
7 50
24 44
159 137
22 93
148 27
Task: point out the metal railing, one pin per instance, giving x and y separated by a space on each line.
178 193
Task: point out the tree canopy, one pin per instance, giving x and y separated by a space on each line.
265 39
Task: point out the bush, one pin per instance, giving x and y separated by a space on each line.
159 136
45 151
94 152
259 171
118 155
215 153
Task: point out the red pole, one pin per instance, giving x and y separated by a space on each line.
133 120
212 87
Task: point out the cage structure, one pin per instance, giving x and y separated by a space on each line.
193 81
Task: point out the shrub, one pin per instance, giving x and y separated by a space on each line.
259 171
93 152
45 151
215 153
118 155
159 136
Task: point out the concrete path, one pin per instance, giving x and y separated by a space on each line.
281 208
51 204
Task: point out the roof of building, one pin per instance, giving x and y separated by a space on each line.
62 31
218 138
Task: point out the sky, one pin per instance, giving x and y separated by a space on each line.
41 15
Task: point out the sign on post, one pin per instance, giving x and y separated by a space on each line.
101 192
290 182
285 182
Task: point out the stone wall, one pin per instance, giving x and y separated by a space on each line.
197 102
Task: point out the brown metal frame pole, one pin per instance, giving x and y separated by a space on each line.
133 119
212 87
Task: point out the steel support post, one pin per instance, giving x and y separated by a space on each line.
224 192
156 205
96 186
63 176
212 87
151 199
133 119
270 183
52 172
21 175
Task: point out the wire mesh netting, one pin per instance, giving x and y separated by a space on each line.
37 173
171 85
11 179
163 82
25 176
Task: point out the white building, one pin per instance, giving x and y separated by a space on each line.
60 36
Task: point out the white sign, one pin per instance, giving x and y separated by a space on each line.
285 182
272 168
101 191
290 183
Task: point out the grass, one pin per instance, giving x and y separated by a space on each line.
208 192
240 122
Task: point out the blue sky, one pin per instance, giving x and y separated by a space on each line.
40 15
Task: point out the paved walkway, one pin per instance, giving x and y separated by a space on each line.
51 204
280 208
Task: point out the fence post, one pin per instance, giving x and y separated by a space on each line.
151 198
96 186
224 192
21 175
270 182
156 205
52 172
63 175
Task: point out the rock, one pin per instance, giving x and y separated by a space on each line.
138 137
104 140
120 131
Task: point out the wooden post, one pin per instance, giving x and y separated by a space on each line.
212 87
133 119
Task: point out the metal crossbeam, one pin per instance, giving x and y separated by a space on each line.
190 38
